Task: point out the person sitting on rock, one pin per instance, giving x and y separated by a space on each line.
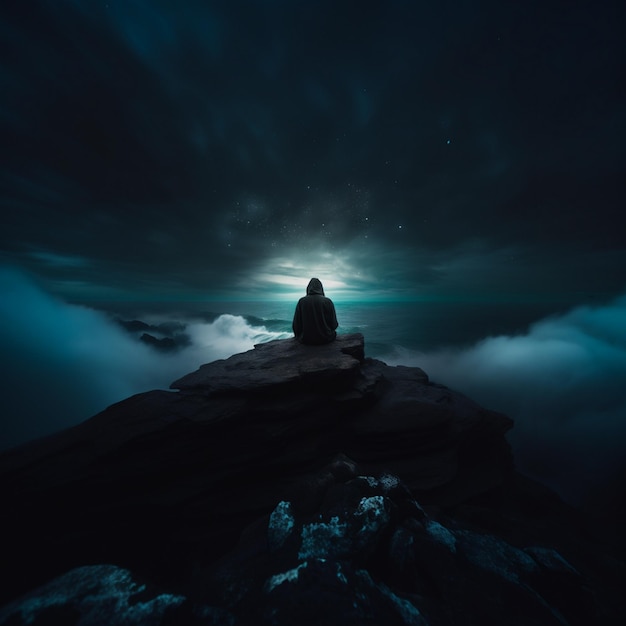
315 320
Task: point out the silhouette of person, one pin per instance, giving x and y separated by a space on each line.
315 320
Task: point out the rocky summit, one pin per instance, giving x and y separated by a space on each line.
292 485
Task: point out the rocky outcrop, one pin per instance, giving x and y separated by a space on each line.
93 595
165 343
167 336
297 484
273 365
369 553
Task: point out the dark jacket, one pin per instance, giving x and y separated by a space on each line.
315 320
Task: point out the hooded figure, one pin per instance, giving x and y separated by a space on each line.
315 320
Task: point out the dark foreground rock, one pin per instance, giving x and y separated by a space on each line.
294 485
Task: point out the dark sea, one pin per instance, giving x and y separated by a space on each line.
389 328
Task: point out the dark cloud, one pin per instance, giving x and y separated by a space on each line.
177 147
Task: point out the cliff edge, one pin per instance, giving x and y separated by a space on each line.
293 484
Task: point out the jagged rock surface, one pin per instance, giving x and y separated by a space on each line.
286 480
275 364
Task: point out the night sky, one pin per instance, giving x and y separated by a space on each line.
231 150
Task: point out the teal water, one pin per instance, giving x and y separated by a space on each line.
386 326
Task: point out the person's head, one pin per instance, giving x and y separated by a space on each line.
314 288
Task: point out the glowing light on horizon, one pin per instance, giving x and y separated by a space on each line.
344 276
299 281
295 271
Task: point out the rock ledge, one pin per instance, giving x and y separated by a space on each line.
289 485
275 363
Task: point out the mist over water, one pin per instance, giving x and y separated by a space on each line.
562 380
560 377
63 363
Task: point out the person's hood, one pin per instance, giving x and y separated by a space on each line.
315 288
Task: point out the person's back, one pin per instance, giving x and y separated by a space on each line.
315 320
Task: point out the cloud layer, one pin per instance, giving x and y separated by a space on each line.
564 383
64 363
